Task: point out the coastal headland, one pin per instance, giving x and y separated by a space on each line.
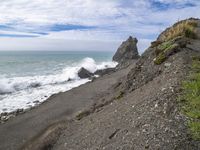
141 104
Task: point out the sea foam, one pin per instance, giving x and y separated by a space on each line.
23 92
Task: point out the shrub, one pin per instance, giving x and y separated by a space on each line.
165 45
164 50
189 33
160 59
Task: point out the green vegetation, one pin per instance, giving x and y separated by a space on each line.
191 98
164 50
195 129
120 95
184 28
168 45
189 32
165 45
160 59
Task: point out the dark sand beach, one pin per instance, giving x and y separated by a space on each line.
59 107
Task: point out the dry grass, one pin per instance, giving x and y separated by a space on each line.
184 28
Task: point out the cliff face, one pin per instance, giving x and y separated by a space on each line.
127 52
142 110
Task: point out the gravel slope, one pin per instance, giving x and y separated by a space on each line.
59 107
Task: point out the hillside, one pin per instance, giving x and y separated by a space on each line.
146 111
149 102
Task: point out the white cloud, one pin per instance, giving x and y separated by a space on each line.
115 21
42 44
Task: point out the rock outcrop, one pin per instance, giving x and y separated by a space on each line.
127 51
84 73
104 71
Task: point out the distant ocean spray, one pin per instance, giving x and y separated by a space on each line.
29 78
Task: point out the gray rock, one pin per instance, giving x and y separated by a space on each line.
84 73
104 71
167 64
18 111
36 101
127 51
35 85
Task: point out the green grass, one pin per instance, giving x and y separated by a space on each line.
160 59
164 50
191 99
165 45
195 129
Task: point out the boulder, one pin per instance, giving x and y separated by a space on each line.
127 51
104 71
84 73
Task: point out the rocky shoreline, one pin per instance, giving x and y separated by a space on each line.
134 106
82 73
126 54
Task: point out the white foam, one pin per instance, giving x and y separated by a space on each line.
21 92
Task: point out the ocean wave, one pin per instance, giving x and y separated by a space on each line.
30 88
9 85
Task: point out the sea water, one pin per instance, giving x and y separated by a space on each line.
28 78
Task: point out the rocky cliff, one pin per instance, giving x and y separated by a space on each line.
127 52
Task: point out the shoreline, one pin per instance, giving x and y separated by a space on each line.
5 116
58 107
24 90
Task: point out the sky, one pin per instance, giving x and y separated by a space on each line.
97 25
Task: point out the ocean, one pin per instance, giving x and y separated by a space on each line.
28 78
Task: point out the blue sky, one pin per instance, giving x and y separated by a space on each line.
87 24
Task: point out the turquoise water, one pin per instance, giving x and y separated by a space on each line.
33 62
26 77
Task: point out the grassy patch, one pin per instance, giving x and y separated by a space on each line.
165 45
184 28
164 50
189 32
191 99
168 45
195 128
160 59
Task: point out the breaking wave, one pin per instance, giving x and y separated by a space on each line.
21 92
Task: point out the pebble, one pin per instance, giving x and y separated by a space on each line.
167 64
